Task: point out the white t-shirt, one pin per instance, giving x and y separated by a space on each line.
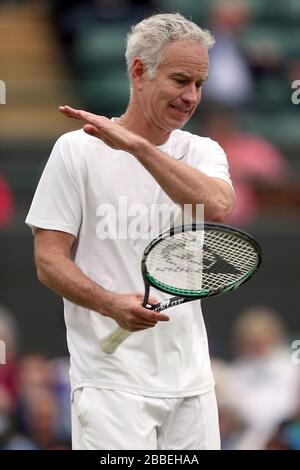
83 182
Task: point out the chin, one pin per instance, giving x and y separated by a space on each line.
179 123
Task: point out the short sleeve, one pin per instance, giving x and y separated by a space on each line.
209 157
56 204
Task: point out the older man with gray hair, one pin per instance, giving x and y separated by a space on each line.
157 390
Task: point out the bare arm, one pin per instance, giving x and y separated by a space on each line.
57 270
183 183
187 185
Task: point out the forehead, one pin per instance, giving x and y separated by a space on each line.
185 56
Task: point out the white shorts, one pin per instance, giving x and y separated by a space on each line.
113 420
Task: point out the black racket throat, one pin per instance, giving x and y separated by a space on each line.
147 292
171 302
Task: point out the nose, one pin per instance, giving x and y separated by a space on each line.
191 94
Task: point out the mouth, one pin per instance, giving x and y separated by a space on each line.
180 110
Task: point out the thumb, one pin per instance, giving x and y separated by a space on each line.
153 300
89 129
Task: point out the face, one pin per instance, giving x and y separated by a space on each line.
169 100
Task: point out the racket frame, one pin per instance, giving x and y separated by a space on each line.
204 293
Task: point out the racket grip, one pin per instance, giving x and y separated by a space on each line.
111 342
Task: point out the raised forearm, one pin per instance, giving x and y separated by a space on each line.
185 184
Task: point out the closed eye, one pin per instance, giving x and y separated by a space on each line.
180 81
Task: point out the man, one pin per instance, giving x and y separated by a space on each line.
156 391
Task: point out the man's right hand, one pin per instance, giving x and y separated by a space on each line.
128 312
57 270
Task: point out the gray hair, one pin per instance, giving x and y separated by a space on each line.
149 38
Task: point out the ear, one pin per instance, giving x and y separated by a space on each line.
138 72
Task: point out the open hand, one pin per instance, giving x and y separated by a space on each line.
111 133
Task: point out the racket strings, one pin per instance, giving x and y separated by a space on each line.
235 257
177 260
194 261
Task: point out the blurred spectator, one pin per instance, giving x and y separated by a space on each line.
266 58
6 203
8 373
34 397
9 370
41 417
232 425
40 414
287 435
230 80
62 390
293 70
253 161
6 411
34 374
262 386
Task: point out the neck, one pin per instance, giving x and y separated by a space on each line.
135 121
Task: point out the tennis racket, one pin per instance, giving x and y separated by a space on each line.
193 262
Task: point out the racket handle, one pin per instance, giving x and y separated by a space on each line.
111 342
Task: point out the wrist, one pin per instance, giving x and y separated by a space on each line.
142 147
105 303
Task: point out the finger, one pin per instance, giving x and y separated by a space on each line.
95 132
142 314
140 327
149 323
90 118
140 296
81 115
152 300
89 129
70 112
150 315
67 109
144 324
160 316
